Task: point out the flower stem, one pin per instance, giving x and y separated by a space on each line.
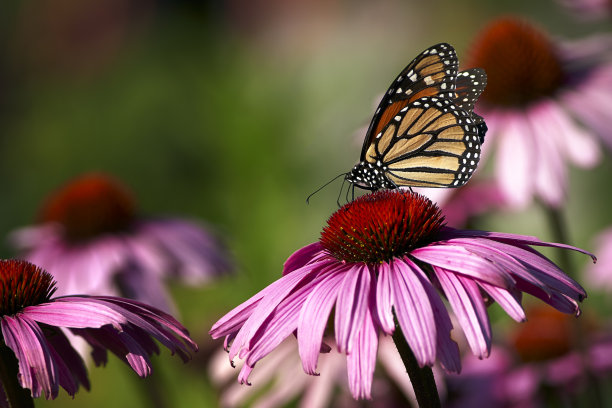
422 378
17 396
559 231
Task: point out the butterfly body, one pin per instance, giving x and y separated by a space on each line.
424 132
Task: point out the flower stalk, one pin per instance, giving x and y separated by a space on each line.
17 396
422 378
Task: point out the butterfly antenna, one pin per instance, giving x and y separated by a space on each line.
323 186
340 193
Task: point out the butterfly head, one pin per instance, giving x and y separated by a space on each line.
369 176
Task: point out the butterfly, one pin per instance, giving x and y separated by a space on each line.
425 132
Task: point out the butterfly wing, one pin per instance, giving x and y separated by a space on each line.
433 142
469 86
431 73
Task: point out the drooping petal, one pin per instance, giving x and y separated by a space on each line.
458 259
515 159
447 348
351 306
509 302
413 311
384 299
467 303
314 316
280 289
362 360
37 370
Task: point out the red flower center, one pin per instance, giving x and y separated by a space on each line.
89 206
379 226
23 284
521 63
545 335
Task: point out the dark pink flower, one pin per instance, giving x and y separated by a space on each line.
545 106
382 257
92 241
32 324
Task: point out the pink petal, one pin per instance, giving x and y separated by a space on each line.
351 306
413 311
361 362
459 259
467 303
384 300
314 316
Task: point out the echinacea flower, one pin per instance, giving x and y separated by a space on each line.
548 359
32 321
92 241
544 104
384 256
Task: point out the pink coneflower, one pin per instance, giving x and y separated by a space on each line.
32 322
536 89
548 359
382 257
92 241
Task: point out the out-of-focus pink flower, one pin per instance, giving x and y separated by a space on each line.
92 241
281 380
548 352
599 275
589 9
545 105
461 204
382 257
32 323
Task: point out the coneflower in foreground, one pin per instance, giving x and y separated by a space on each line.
32 321
385 256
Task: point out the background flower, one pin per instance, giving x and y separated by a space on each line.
536 88
90 238
549 360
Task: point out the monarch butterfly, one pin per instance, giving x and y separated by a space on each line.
424 132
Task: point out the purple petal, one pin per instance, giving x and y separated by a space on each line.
306 255
459 259
512 239
361 362
510 303
384 301
447 348
351 306
466 301
314 316
413 311
37 370
275 293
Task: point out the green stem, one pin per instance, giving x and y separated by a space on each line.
558 228
422 379
17 396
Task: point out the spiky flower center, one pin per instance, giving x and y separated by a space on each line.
545 335
380 226
23 284
89 206
521 63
